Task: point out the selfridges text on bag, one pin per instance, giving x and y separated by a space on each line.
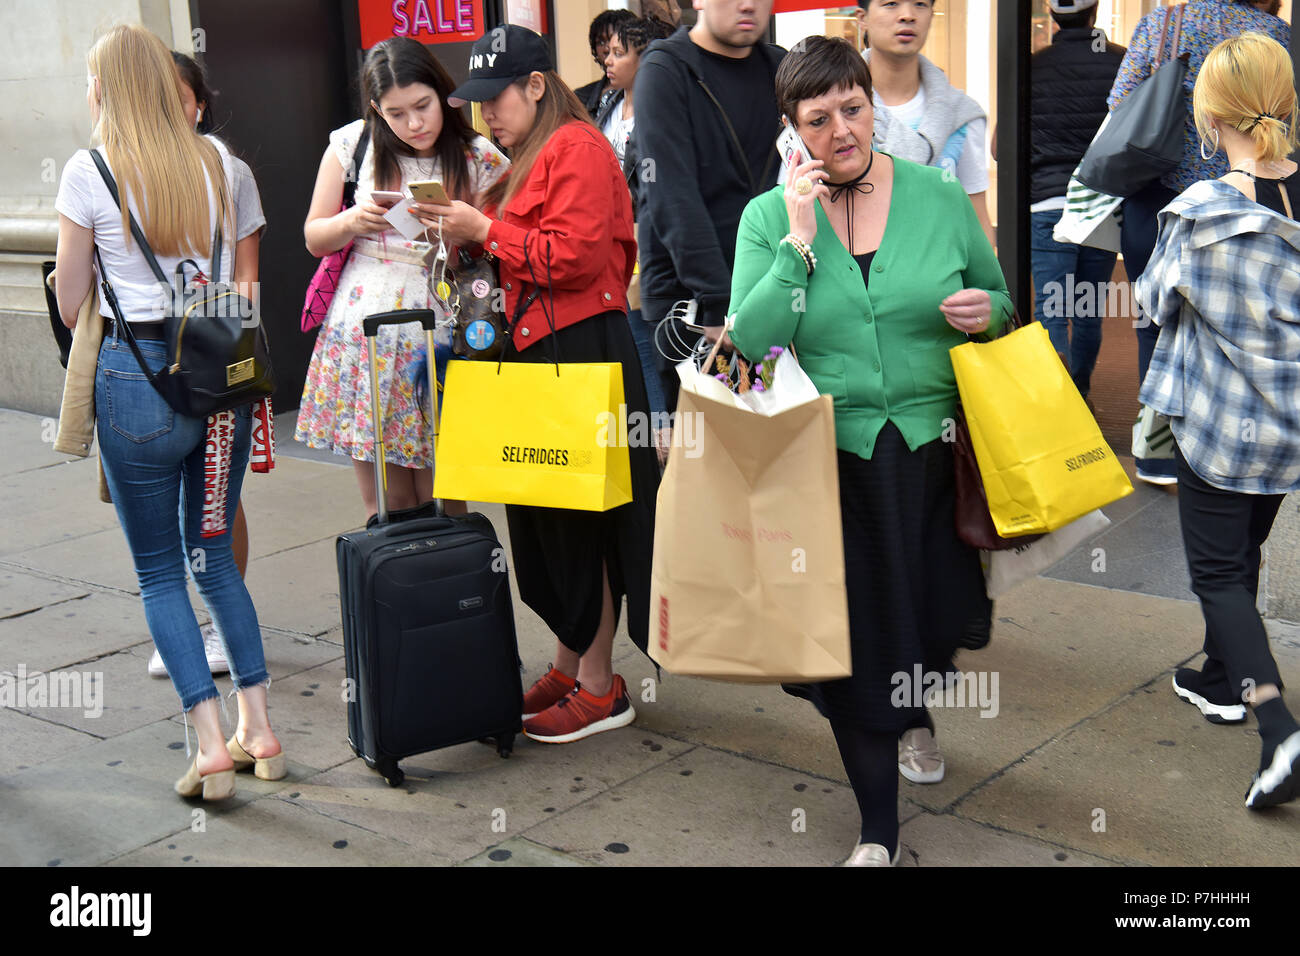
217 354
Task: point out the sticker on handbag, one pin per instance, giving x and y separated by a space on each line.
239 372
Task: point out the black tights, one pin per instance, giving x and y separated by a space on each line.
871 761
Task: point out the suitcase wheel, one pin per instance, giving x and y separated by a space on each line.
391 773
505 745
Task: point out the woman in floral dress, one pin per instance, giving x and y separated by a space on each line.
414 135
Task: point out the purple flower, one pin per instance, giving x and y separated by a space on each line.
721 378
759 386
776 350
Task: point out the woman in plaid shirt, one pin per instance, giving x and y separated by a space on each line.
1204 23
1223 285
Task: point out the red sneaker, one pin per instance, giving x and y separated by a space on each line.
552 688
582 714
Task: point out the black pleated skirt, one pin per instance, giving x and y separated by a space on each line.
558 553
914 588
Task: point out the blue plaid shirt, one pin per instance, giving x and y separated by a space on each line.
1224 286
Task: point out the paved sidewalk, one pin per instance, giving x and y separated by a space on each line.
1089 761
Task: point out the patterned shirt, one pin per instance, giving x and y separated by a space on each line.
1205 24
1224 285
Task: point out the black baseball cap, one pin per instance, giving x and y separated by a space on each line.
497 59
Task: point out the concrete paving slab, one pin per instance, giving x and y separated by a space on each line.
273 504
709 808
1167 785
113 696
300 836
462 800
931 839
28 441
1143 553
79 630
22 592
30 740
286 654
1059 659
101 559
54 504
295 590
98 802
520 852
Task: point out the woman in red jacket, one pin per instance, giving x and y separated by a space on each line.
560 226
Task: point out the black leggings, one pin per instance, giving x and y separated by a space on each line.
871 761
1222 535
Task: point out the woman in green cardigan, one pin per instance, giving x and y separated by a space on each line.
874 267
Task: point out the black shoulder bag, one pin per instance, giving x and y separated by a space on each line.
217 354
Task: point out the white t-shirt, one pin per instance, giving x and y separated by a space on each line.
84 198
971 166
618 131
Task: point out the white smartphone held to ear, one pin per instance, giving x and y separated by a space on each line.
386 198
791 147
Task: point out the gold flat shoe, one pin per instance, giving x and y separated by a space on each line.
264 768
212 786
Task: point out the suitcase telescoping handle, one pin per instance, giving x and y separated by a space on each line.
370 326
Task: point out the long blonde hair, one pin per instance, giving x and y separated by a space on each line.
154 154
1247 83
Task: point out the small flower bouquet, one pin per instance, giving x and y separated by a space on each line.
773 385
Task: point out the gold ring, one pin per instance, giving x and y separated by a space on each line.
803 185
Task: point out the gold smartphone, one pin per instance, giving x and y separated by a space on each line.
429 190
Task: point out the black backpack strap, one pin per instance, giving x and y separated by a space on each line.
136 232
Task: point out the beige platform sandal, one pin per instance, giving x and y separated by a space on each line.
264 768
212 786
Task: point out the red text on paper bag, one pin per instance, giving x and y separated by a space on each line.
429 21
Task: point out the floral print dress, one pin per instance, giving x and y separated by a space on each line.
384 272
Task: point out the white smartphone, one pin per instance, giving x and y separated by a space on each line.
790 146
386 198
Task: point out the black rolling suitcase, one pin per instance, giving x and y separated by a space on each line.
428 626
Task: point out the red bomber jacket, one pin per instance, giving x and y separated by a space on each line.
575 199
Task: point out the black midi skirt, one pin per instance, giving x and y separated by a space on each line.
914 588
558 553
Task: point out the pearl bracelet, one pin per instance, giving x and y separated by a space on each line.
804 250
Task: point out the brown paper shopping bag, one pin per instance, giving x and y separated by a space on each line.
748 577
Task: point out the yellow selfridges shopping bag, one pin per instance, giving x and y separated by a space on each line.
526 433
1040 452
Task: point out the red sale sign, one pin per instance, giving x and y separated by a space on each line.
429 21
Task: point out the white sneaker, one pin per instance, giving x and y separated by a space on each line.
872 854
217 662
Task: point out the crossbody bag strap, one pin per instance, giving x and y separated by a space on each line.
358 157
735 139
136 232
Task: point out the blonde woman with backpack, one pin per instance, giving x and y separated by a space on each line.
177 185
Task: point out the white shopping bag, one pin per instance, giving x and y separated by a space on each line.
1003 570
1090 218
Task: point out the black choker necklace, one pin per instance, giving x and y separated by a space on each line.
855 184
850 188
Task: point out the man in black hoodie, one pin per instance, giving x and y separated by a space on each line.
705 141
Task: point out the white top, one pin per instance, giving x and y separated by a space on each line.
486 165
972 168
619 131
84 198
